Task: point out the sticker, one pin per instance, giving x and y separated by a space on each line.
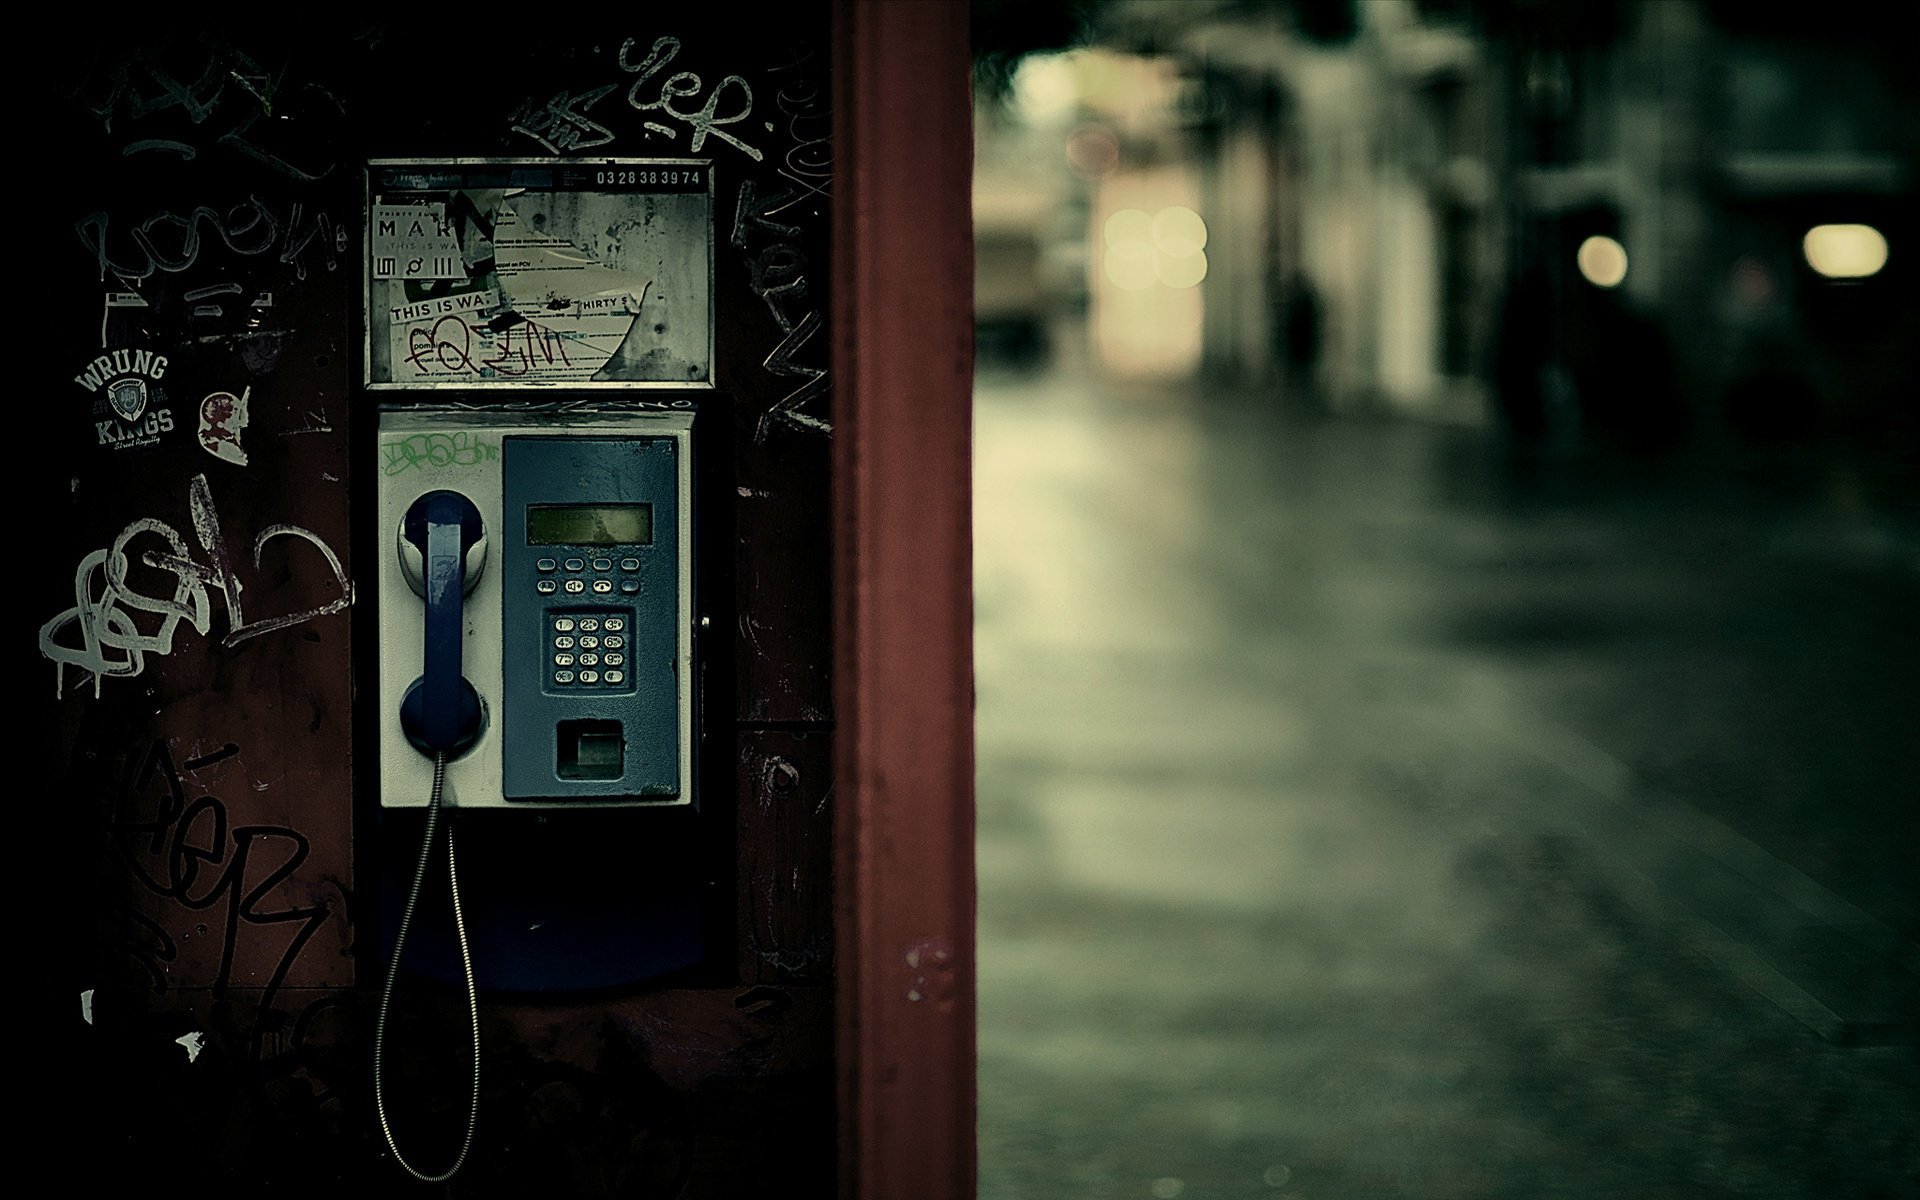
414 241
193 1043
222 416
129 407
480 303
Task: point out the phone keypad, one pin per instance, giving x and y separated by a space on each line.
586 650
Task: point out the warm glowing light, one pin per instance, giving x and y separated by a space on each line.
1179 231
1145 311
1164 248
1128 225
1129 257
1130 265
1045 88
1181 270
1603 261
1845 251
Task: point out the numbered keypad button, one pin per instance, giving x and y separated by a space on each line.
616 624
589 660
563 643
612 643
614 660
565 677
589 677
589 643
589 624
616 676
563 624
563 660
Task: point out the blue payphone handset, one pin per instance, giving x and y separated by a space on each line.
440 535
557 677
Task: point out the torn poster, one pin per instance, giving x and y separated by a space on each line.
540 273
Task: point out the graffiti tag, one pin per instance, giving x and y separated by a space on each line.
421 450
107 608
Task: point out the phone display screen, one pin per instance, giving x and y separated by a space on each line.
590 524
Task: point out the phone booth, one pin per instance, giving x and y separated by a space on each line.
511 712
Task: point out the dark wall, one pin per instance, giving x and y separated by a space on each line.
197 685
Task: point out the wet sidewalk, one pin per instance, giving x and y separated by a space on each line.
1360 817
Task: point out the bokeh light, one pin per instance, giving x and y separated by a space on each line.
1845 251
1179 231
1163 248
1602 261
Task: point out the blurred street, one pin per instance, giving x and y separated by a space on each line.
1366 813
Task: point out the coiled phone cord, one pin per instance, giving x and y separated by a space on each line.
393 972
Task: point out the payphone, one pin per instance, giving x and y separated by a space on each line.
536 633
573 559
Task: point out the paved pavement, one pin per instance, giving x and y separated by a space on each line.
1362 814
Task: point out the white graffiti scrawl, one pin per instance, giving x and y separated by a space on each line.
100 634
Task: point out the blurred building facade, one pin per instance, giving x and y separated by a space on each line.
1585 221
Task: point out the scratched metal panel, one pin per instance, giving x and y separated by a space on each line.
722 1092
774 258
201 675
196 661
716 1093
783 642
228 159
784 893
